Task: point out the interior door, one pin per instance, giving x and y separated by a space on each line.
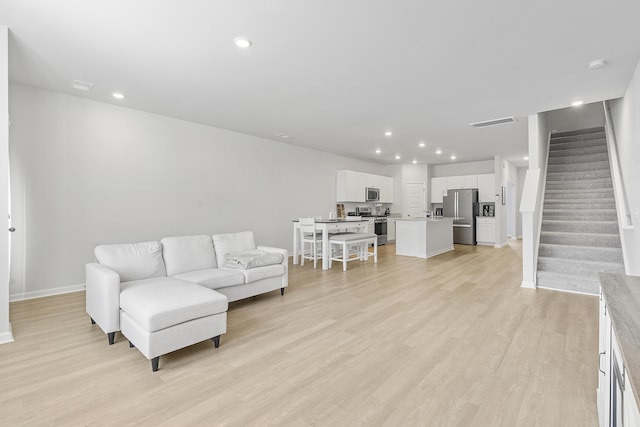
414 199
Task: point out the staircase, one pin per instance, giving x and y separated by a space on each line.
579 235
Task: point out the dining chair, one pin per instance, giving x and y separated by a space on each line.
309 236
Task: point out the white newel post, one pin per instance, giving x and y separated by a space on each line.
5 326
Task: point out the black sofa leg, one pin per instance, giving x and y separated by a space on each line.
154 363
281 291
93 322
216 341
112 337
131 344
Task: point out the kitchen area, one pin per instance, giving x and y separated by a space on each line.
460 209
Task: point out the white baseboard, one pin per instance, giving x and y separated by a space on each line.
46 293
527 284
567 291
501 245
6 337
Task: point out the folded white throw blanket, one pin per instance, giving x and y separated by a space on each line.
252 259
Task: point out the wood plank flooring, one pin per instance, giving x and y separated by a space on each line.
449 341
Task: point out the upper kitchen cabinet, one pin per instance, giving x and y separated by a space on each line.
486 188
350 186
438 189
462 181
454 182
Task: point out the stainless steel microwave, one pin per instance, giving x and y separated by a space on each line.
372 194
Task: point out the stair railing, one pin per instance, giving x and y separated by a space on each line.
625 219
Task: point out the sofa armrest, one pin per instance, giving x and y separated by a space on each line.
103 296
285 262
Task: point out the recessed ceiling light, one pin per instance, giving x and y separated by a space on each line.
242 42
598 63
525 158
577 103
378 151
438 151
117 95
397 156
414 161
388 133
421 145
453 157
83 86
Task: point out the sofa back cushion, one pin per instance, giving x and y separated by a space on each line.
232 243
133 261
188 253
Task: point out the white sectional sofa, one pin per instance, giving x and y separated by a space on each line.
170 294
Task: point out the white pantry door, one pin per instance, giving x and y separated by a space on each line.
415 197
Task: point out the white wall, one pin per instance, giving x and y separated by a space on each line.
466 168
575 118
520 186
86 173
625 113
5 326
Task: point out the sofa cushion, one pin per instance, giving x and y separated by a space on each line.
232 243
159 303
252 259
213 278
133 261
258 273
188 253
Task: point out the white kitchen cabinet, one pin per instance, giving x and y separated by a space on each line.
486 188
386 189
486 230
391 229
438 189
454 182
469 181
350 186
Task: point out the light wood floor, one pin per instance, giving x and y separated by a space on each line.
449 341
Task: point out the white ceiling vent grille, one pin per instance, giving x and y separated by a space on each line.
83 86
494 122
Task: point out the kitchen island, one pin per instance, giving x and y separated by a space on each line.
424 237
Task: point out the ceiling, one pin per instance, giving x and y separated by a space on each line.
334 75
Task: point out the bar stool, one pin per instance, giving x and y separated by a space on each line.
359 241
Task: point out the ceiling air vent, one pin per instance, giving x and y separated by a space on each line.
83 86
494 122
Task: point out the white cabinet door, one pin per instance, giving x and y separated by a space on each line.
350 186
391 229
470 181
386 189
454 182
438 189
486 188
604 361
485 231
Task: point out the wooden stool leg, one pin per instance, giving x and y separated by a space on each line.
375 251
345 256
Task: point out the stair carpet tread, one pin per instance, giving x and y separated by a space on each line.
579 200
594 264
579 158
570 247
566 145
583 150
586 131
558 233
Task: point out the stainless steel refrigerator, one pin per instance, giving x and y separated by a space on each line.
462 205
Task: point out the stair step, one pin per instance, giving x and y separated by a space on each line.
576 176
578 267
585 253
584 184
578 167
579 158
605 227
597 194
573 204
564 282
578 132
581 215
580 239
593 149
569 145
